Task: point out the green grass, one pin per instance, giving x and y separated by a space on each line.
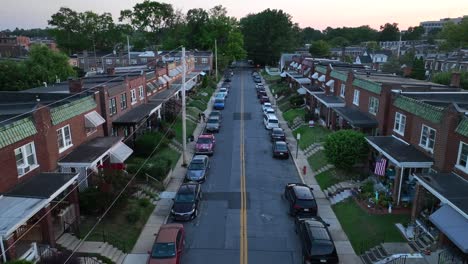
278 87
115 227
270 78
193 111
284 106
327 179
318 160
310 135
178 128
365 230
291 114
168 153
199 104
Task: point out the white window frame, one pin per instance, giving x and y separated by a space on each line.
109 61
133 97
427 143
399 117
373 105
112 106
332 88
123 101
141 92
357 93
459 166
204 60
342 90
61 136
25 167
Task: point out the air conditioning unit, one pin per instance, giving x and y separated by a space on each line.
23 170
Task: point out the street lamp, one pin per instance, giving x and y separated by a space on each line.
298 137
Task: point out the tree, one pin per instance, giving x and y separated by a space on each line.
353 35
389 32
339 42
392 66
418 71
308 35
267 34
372 45
413 33
345 148
320 48
456 36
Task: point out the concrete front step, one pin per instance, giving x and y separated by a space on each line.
374 254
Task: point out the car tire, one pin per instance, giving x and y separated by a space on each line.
195 214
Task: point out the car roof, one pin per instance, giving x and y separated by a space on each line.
214 117
199 157
280 143
278 129
215 112
187 188
271 116
317 229
168 233
303 192
206 136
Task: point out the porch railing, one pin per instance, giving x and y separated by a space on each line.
399 260
32 254
448 256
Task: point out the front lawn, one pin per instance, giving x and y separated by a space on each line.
279 88
327 178
199 104
291 114
317 160
178 128
270 78
310 135
115 228
167 153
365 230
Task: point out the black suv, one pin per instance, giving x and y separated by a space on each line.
301 200
316 241
277 134
186 202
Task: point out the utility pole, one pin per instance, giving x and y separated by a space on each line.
128 48
184 127
399 44
216 60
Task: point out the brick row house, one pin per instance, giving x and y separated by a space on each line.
418 129
39 197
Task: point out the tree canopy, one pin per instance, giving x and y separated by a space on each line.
456 35
320 48
345 148
389 32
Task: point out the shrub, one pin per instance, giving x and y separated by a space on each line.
345 148
144 203
133 215
93 200
296 100
368 187
145 144
158 168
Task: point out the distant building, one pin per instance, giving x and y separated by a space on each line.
351 51
431 25
13 46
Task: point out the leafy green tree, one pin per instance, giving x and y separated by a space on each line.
456 36
372 45
389 32
392 65
354 35
320 48
339 42
267 34
413 33
345 148
418 71
308 35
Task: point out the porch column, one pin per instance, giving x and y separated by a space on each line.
333 120
10 247
418 201
47 227
73 199
396 185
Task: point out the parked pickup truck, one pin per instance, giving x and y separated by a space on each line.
205 144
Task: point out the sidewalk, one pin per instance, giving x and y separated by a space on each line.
161 212
345 250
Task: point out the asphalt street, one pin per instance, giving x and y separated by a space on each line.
215 235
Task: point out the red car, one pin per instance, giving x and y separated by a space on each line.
264 99
205 144
169 245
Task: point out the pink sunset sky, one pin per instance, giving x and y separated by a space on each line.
313 13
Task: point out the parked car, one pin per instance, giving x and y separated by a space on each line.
277 134
198 168
257 79
301 200
213 124
168 245
219 96
186 201
226 85
261 93
270 121
227 78
205 144
264 99
259 85
216 113
316 241
269 110
224 91
280 150
266 105
218 104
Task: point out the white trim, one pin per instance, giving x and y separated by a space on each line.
358 93
2 248
401 133
65 146
457 165
24 155
427 148
342 90
63 188
402 169
439 196
403 141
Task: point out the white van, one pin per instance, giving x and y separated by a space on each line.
270 121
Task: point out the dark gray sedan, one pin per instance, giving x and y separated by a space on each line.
213 124
198 168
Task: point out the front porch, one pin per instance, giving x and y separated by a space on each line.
351 118
37 212
323 108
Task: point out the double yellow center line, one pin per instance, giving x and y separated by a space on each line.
243 210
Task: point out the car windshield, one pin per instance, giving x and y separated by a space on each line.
184 198
213 120
278 132
163 250
203 141
306 203
219 101
322 247
273 121
222 90
196 166
214 114
281 147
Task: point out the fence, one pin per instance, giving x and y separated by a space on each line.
399 260
448 256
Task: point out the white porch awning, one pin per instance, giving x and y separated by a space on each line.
303 80
167 78
161 80
330 83
299 66
93 119
15 211
301 91
283 74
315 76
321 78
202 73
120 152
292 63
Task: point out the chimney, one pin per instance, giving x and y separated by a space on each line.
110 71
455 80
75 85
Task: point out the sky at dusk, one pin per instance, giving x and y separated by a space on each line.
313 13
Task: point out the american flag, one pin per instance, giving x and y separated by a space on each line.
380 167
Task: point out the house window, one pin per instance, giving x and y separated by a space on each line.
112 106
114 132
133 61
373 105
356 97
25 158
462 161
204 60
428 135
143 60
141 92
195 60
123 101
400 123
133 97
126 131
64 139
117 61
108 61
342 90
